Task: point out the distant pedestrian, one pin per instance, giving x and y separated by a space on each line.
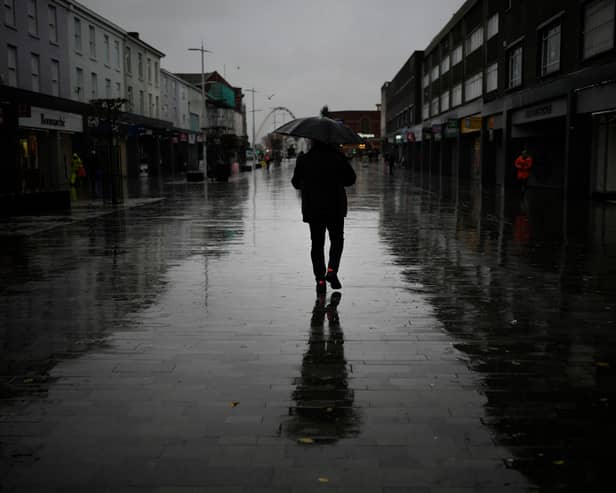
523 164
391 161
322 174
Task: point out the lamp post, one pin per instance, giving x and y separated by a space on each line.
203 172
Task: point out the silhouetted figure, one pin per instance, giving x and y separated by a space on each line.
523 164
391 161
321 174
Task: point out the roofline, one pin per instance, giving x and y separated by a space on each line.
179 79
455 18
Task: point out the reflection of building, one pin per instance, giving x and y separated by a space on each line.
499 76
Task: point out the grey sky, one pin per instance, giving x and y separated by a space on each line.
307 53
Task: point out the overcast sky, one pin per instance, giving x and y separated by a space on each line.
306 52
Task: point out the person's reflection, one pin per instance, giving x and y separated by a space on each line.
323 409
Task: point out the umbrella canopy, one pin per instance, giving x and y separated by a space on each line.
320 128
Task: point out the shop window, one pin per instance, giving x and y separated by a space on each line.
35 63
456 96
492 77
53 23
598 27
9 12
456 56
493 26
12 65
474 41
473 87
550 49
55 78
77 34
515 67
32 18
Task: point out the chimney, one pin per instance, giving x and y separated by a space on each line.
134 35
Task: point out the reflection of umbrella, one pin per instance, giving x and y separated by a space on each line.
320 128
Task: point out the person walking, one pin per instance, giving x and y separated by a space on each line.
322 175
523 164
391 161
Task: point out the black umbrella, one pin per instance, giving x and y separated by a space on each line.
320 128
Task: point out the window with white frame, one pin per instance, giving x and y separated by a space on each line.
140 65
445 63
550 50
35 64
52 14
157 107
32 17
9 12
156 72
93 85
515 67
474 41
129 61
598 27
493 26
456 56
445 101
434 75
107 49
426 80
492 77
79 89
118 93
426 111
130 96
141 103
77 34
149 69
55 78
108 88
92 31
456 96
150 104
12 65
434 109
116 53
473 87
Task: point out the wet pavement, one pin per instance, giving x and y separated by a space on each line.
179 345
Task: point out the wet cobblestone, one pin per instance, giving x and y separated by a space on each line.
178 346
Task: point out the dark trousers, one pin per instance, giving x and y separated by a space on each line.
335 228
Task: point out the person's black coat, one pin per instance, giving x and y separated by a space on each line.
321 175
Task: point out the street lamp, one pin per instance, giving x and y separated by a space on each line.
203 52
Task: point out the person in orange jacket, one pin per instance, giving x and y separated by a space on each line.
524 163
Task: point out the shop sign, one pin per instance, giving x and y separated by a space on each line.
470 124
174 140
192 138
437 132
183 138
52 120
451 128
426 133
199 138
544 111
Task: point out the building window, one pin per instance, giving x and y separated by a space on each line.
456 96
141 103
78 46
107 48
492 77
32 18
550 50
79 89
53 23
445 101
130 97
35 63
434 75
434 107
108 88
426 80
515 67
426 111
92 41
116 54
598 27
157 107
118 90
156 72
493 26
445 65
150 104
55 78
473 87
140 65
474 41
94 84
12 65
9 12
456 56
149 68
129 62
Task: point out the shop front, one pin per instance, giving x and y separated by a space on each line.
470 148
